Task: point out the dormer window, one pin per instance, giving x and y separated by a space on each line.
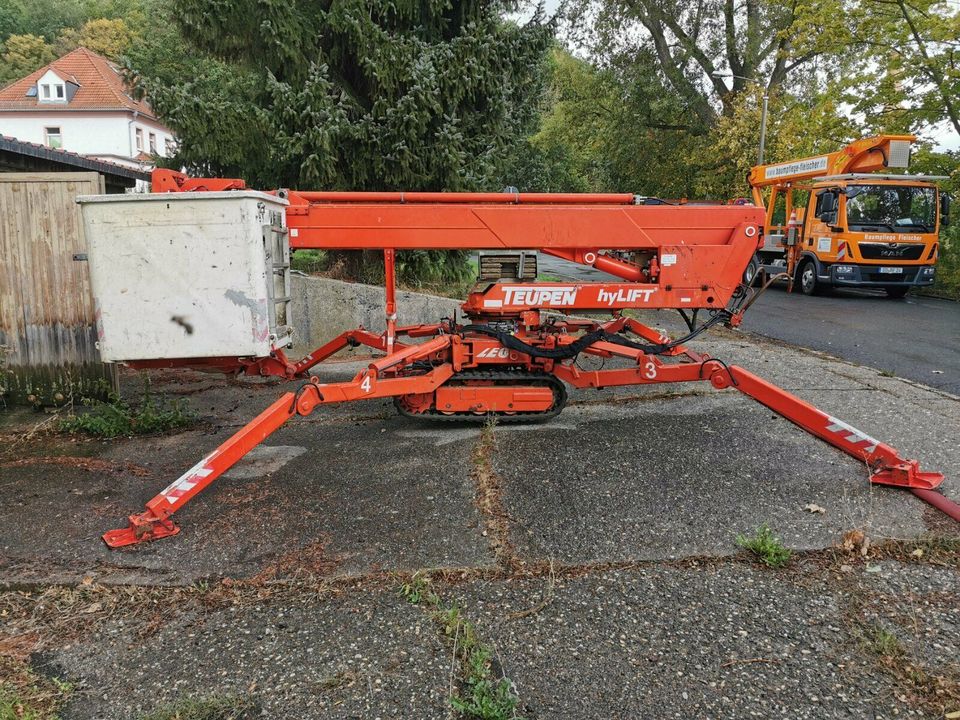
51 88
53 92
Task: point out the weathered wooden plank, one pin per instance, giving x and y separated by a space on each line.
47 322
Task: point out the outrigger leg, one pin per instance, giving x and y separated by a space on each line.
885 464
155 523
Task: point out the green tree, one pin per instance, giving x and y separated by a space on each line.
47 18
22 54
11 20
358 94
694 43
916 47
613 129
621 129
804 122
110 38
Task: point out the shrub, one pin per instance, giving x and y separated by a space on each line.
116 417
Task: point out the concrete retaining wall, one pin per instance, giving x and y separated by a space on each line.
323 308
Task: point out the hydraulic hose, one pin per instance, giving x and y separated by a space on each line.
565 352
940 502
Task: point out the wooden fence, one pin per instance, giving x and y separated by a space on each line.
48 334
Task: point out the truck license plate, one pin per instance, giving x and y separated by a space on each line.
891 270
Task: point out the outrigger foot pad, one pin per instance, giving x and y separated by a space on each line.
142 528
907 474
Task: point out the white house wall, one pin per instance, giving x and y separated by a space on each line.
109 135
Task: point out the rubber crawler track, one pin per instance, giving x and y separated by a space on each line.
506 377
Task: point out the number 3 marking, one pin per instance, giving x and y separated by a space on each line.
650 370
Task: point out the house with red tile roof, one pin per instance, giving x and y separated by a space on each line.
81 103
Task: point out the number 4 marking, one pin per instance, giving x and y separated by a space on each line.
365 385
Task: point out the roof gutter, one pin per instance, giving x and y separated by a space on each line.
63 108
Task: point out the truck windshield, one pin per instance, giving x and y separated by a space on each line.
894 208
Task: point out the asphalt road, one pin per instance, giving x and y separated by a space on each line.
917 338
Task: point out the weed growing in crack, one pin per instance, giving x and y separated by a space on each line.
418 590
489 498
766 546
26 695
227 707
116 417
936 690
481 695
485 444
881 641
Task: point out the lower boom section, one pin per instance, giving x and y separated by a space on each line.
474 372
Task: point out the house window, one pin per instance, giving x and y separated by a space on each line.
52 137
46 92
153 144
60 93
139 140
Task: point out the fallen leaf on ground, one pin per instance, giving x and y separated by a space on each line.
814 508
854 540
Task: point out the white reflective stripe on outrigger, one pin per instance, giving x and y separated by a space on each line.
186 482
839 427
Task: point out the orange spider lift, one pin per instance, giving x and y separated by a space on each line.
514 352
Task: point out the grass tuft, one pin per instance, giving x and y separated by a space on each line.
27 695
882 642
482 695
766 546
228 707
116 417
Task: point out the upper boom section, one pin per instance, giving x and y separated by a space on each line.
465 223
477 221
862 156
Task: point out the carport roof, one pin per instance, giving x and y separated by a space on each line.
19 155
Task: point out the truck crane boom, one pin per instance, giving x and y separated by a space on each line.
861 156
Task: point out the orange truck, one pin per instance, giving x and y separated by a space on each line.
837 220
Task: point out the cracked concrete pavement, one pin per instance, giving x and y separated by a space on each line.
622 514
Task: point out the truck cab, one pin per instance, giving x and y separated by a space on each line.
852 229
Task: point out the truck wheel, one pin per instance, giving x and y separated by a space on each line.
751 272
896 291
807 278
